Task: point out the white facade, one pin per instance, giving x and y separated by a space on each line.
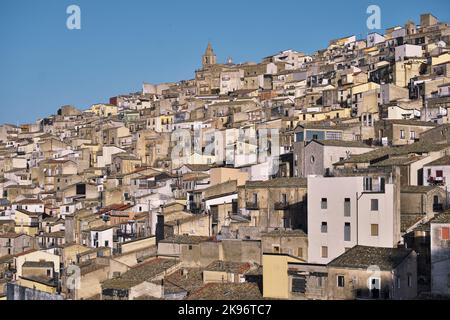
102 238
440 257
407 51
436 174
374 38
349 216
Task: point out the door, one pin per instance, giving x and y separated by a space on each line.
375 285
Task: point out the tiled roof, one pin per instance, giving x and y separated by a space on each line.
278 183
418 189
184 280
228 291
227 266
139 274
361 257
342 143
444 161
183 239
442 218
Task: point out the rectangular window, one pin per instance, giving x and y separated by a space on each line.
255 198
347 232
409 281
300 252
347 207
398 282
367 184
402 134
324 203
324 252
374 230
412 135
374 205
445 233
276 249
341 281
324 227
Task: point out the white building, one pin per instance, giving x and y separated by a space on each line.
101 237
348 211
437 172
374 38
440 255
408 51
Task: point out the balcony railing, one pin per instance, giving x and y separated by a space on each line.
252 206
281 206
436 181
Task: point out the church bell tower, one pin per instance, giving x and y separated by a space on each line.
209 58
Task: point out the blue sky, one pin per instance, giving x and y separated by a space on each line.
43 65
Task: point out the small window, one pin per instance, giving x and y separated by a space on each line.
324 252
324 203
276 249
300 252
347 207
409 281
412 135
341 281
402 134
374 205
324 227
347 232
445 233
190 247
399 281
374 230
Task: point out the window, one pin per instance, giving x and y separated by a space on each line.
374 230
341 281
324 252
374 205
398 280
412 135
347 207
409 280
49 272
190 247
284 198
312 159
367 184
445 233
324 227
300 252
347 232
324 203
402 134
276 249
298 284
255 198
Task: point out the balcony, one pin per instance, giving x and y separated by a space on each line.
281 206
436 181
251 206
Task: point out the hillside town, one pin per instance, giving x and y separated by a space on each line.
318 176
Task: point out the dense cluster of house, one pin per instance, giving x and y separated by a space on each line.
319 176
